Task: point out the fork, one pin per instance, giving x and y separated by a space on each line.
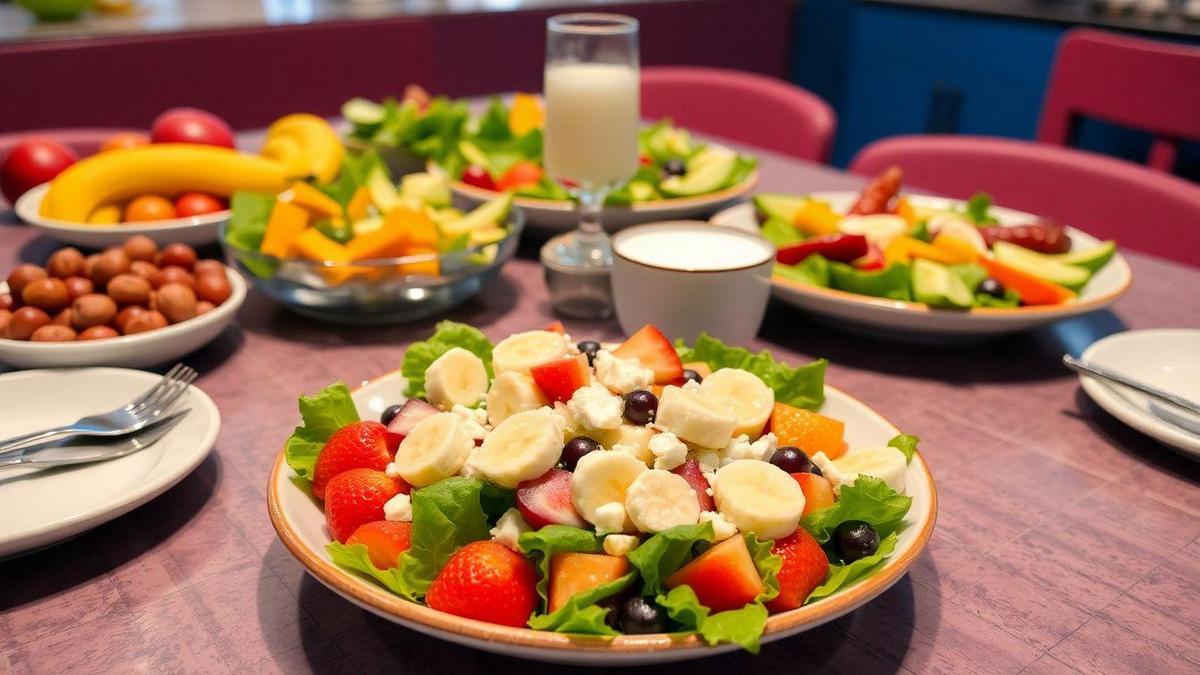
132 416
64 455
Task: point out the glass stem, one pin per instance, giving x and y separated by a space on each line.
591 203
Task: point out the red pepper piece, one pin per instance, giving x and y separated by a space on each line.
838 247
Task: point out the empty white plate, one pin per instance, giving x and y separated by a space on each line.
41 507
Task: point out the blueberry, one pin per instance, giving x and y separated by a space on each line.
854 539
674 167
792 460
690 375
990 286
640 406
390 413
589 347
640 616
575 449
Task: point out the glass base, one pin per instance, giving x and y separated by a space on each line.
577 273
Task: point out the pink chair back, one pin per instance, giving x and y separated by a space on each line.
1143 84
1105 197
744 107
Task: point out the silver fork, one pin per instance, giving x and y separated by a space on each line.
135 415
64 455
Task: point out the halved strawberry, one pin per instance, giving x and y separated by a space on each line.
654 351
385 541
694 475
723 577
805 567
556 327
487 581
356 497
359 445
818 491
413 411
559 379
546 500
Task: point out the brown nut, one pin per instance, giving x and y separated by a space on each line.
65 262
213 288
53 332
48 294
176 302
126 314
148 320
204 307
22 276
6 301
129 289
203 267
110 264
99 333
143 269
5 317
63 318
140 247
24 322
173 274
89 264
93 309
77 286
180 255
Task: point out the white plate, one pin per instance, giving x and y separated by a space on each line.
141 350
918 319
41 507
193 230
1168 359
300 523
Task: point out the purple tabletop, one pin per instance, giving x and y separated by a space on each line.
1065 540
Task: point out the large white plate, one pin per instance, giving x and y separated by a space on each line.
300 523
141 350
1168 359
916 318
193 231
41 507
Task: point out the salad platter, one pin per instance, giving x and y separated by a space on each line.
552 500
919 265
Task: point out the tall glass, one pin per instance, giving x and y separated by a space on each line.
592 111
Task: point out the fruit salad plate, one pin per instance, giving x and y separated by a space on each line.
562 520
951 307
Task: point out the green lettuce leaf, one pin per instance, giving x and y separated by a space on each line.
663 554
446 516
780 232
803 387
892 282
322 414
977 209
869 500
813 270
743 627
446 336
495 500
841 576
906 443
249 212
356 559
768 565
581 615
1011 299
551 539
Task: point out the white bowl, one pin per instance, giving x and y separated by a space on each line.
140 350
193 230
300 523
917 319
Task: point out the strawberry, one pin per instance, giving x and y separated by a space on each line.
654 351
818 491
805 567
385 541
559 379
723 577
694 475
486 581
356 497
546 500
359 445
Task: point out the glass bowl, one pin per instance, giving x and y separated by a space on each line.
376 291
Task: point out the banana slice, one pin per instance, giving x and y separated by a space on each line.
879 229
601 478
435 449
658 500
759 497
523 351
457 377
887 464
511 393
522 447
628 438
695 417
743 393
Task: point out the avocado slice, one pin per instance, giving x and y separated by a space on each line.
474 155
363 113
432 190
1041 265
1091 259
706 172
641 191
776 205
490 213
935 285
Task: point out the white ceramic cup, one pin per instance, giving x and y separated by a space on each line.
689 276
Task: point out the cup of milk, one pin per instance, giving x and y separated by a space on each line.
689 276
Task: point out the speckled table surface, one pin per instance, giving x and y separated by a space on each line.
1065 540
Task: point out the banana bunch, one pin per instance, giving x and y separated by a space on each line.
306 145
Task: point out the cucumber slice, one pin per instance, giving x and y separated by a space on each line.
641 191
383 193
473 154
1092 259
363 113
1041 265
488 214
935 285
706 172
777 205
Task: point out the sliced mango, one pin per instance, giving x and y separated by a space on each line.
420 227
386 242
961 250
285 225
816 217
320 204
526 114
904 249
357 207
425 267
905 210
313 245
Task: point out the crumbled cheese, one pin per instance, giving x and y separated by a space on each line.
609 517
669 451
509 529
620 544
711 477
830 471
690 385
740 447
474 421
621 375
596 408
392 470
722 528
709 460
398 508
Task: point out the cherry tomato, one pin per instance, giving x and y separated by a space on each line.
197 204
479 177
519 175
124 141
149 207
189 125
31 162
645 160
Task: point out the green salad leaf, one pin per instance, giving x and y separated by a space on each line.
581 615
249 213
768 565
743 627
891 282
446 516
977 209
803 387
495 500
663 554
322 414
446 336
841 576
353 174
551 539
780 232
1011 299
868 499
813 270
906 443
356 559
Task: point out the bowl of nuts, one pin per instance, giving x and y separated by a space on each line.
133 305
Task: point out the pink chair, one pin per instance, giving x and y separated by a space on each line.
744 107
1143 84
1106 197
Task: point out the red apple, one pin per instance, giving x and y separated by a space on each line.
546 500
31 162
189 125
